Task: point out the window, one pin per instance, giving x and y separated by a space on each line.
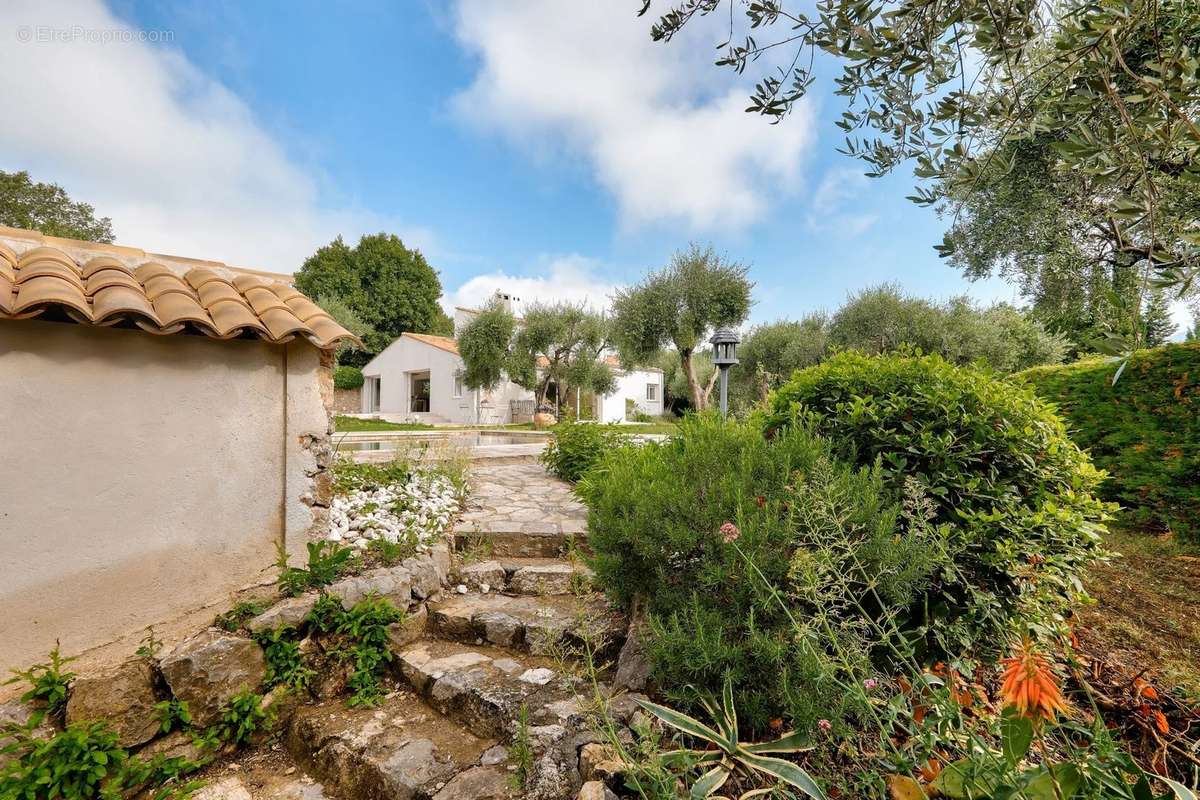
652 392
458 384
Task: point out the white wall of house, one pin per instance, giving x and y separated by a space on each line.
449 400
632 385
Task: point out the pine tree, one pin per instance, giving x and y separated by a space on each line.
1157 325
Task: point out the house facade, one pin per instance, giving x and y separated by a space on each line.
167 426
419 378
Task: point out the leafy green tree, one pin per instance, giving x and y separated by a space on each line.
772 352
485 345
883 319
566 343
678 306
1104 89
46 207
388 286
349 319
677 396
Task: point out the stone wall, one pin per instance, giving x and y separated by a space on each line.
147 476
347 401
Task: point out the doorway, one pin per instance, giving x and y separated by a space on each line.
418 399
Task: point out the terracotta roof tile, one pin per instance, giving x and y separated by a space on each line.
231 318
219 291
112 304
203 296
440 342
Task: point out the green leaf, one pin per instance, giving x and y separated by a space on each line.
1181 792
709 782
688 725
1039 783
1016 734
966 779
791 742
785 771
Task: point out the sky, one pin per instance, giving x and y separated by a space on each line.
546 147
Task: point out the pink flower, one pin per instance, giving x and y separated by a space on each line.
870 683
824 724
729 532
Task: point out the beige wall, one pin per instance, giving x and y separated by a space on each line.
142 476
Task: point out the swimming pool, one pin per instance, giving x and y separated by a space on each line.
432 441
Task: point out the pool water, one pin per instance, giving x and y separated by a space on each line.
465 439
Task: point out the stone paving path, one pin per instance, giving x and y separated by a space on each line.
497 646
522 498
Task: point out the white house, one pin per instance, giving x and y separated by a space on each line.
418 377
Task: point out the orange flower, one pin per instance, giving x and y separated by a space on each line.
1030 686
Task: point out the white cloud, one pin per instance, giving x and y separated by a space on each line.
177 160
571 278
828 210
584 79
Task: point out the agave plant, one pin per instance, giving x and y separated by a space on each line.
732 755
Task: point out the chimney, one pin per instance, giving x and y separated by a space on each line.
509 301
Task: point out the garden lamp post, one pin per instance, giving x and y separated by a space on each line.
724 342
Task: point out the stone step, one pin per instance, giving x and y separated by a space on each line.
539 624
402 749
534 576
484 688
531 540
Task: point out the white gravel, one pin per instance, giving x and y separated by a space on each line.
423 506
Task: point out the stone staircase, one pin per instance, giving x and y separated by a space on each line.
495 662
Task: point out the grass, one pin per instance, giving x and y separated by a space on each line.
1144 618
354 424
343 424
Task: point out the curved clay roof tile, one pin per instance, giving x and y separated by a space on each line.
50 290
41 267
285 292
219 291
173 308
47 254
103 278
283 324
232 317
103 262
112 303
150 269
159 285
198 276
7 296
7 255
327 333
244 282
263 299
304 308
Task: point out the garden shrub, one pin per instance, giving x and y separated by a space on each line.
348 378
1016 495
574 447
1144 431
803 521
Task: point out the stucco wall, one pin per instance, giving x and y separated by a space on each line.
143 476
611 408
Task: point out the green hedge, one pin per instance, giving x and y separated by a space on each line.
347 378
1145 430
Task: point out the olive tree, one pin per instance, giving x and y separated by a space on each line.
677 307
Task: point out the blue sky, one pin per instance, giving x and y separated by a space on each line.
546 146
